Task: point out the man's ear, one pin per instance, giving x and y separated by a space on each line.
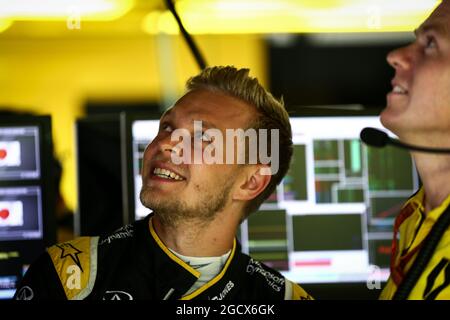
254 183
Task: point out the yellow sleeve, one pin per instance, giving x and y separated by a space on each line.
295 292
388 291
75 263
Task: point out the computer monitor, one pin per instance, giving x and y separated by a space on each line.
323 69
138 131
104 174
27 195
99 174
330 220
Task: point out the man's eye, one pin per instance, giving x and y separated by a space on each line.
203 136
206 138
166 127
430 43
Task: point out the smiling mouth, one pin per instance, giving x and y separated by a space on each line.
167 174
399 90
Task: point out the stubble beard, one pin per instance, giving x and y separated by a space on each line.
173 211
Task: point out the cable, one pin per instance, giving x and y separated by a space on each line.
189 40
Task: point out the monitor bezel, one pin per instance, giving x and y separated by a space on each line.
126 124
46 180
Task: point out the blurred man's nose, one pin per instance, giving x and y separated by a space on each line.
401 58
167 147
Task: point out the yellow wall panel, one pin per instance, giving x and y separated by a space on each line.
57 75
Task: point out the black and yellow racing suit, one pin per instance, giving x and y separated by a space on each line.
414 225
133 263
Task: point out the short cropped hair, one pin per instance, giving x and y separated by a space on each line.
271 115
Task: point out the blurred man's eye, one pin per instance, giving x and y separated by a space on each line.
430 43
166 127
203 137
206 138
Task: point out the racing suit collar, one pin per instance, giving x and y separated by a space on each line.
171 278
176 269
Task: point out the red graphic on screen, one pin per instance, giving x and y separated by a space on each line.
313 263
384 250
4 214
3 153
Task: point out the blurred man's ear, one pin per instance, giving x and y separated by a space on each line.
254 183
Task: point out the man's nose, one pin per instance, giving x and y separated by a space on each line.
168 147
401 58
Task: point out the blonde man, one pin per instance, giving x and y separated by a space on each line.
187 249
418 111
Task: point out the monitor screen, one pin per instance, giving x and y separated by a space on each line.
141 130
105 171
331 218
144 131
21 213
99 174
338 69
27 196
19 153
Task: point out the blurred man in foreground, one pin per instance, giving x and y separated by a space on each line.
418 112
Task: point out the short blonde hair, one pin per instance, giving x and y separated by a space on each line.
271 115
